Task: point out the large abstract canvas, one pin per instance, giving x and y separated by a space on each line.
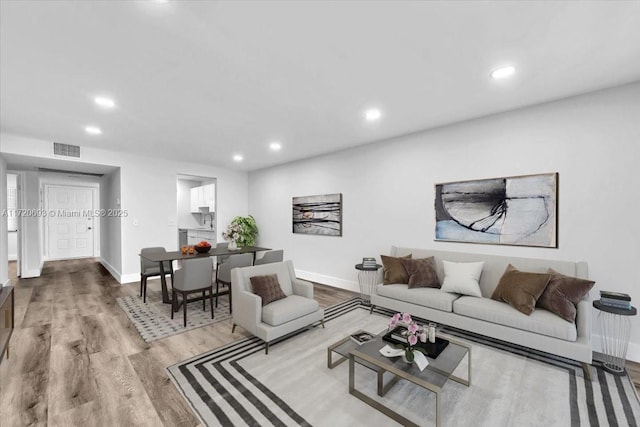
518 210
318 215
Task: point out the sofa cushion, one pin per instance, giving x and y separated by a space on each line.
520 289
422 272
287 309
394 271
267 288
428 297
462 277
563 293
540 321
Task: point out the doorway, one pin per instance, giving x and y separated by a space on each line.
70 221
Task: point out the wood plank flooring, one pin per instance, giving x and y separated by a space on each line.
76 360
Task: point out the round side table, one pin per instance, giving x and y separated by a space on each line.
367 278
615 329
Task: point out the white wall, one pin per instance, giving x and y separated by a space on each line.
4 246
12 236
148 194
593 141
32 226
111 227
186 219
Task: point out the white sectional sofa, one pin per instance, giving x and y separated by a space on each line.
542 330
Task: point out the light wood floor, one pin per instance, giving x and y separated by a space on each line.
76 360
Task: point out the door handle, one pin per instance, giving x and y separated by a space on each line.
89 228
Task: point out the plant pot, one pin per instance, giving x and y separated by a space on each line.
232 245
405 360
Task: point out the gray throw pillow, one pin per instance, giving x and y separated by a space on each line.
267 287
422 272
394 271
563 293
520 289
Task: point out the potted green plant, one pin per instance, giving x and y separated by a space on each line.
242 231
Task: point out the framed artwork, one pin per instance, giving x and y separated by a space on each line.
320 215
516 210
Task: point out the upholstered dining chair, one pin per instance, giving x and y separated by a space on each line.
151 269
194 276
288 302
224 273
222 258
271 256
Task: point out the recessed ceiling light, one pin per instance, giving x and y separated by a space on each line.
503 72
275 146
93 130
104 102
237 158
372 114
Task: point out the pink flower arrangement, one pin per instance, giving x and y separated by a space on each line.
412 335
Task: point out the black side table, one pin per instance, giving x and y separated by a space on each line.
367 278
615 330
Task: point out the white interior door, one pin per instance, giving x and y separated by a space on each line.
70 224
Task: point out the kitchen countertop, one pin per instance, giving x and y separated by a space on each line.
197 228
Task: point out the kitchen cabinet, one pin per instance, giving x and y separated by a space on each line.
203 197
196 236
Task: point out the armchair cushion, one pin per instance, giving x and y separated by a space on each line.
267 288
288 309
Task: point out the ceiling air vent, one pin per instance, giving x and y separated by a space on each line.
66 150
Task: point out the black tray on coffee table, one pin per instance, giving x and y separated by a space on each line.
432 350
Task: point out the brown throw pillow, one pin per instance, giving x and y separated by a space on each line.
563 294
520 289
267 287
422 272
394 271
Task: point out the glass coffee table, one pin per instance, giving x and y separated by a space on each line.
433 378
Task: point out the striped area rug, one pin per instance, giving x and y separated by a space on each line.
239 385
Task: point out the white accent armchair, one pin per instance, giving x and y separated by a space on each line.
279 318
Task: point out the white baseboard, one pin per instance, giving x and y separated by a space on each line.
12 257
129 278
328 280
111 269
633 352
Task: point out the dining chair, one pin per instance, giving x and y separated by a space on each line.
221 258
270 257
151 269
224 273
194 276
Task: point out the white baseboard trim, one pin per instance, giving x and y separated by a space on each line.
129 278
12 257
633 352
328 280
111 269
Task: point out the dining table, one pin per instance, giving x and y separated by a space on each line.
161 257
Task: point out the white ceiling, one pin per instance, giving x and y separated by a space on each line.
200 81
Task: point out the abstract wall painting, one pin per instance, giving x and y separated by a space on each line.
320 215
517 210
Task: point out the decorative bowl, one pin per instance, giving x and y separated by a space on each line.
203 249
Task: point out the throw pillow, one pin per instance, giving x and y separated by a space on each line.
394 271
520 289
563 293
462 278
422 272
267 287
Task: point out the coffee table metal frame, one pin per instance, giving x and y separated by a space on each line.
382 365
